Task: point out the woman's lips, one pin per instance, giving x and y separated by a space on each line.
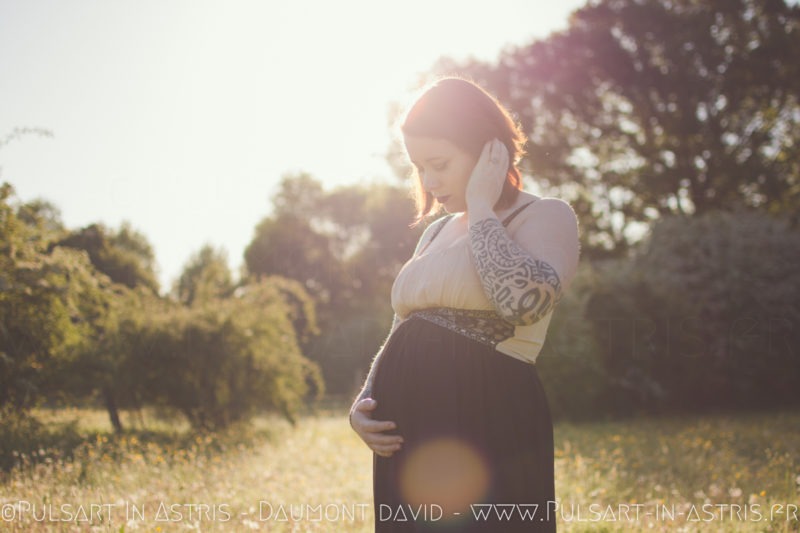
442 199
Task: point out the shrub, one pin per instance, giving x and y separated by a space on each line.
704 315
222 361
571 371
24 440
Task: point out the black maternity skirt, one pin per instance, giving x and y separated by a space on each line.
478 437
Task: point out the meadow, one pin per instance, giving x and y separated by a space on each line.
700 473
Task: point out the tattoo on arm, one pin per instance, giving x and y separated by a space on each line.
521 288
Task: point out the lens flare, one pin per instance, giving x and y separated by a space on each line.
445 472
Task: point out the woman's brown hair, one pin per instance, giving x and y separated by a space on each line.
463 113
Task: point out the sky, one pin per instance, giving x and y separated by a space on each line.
181 116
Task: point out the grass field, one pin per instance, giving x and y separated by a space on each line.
721 473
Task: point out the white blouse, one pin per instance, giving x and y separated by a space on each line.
446 276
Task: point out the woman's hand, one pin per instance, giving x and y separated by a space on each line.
486 181
371 431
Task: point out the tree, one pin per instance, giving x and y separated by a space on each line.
298 194
340 244
286 245
643 108
703 316
345 246
96 368
222 359
44 216
205 276
123 255
52 304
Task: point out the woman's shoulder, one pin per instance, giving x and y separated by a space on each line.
549 207
550 227
434 226
430 231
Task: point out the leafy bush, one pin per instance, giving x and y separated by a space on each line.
24 440
223 360
569 365
52 303
704 315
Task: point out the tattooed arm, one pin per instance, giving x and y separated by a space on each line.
523 289
523 277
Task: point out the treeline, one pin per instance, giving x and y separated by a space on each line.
84 320
81 320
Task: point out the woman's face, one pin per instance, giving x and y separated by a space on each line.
443 168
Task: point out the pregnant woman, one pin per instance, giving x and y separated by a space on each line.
453 408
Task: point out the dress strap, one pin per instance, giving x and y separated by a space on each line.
440 223
516 212
439 227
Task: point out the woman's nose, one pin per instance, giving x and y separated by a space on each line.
429 181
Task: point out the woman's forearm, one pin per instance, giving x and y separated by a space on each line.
522 289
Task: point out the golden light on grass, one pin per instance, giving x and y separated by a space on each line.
445 472
658 463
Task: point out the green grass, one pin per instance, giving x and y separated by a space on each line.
693 472
242 479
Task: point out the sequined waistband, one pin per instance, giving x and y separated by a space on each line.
484 326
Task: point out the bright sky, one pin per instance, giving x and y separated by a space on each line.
181 116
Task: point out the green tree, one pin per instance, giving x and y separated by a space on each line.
298 194
221 360
100 370
286 245
703 316
205 276
44 216
127 258
123 255
346 245
644 108
52 304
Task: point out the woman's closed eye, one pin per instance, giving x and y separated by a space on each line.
438 166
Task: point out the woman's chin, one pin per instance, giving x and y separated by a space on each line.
452 206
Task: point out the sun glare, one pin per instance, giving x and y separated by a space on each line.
447 473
